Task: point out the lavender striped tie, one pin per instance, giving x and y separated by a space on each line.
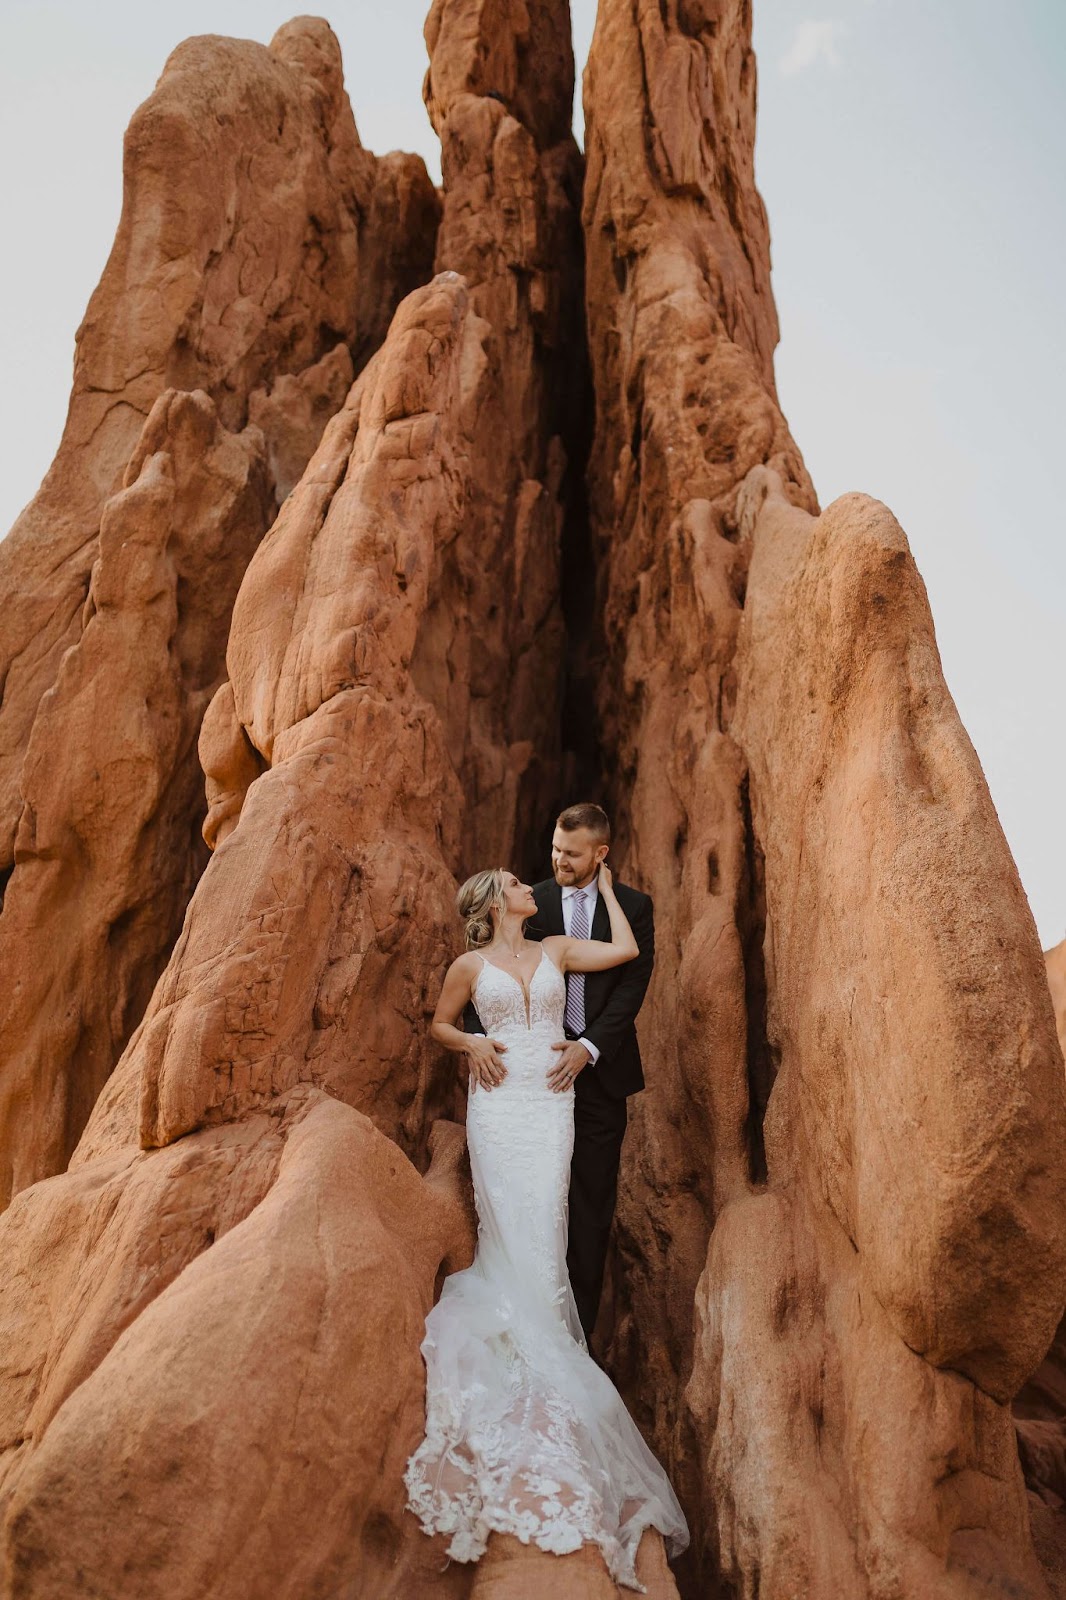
575 982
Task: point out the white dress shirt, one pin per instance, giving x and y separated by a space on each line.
592 895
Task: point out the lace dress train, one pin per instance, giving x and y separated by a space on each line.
525 1434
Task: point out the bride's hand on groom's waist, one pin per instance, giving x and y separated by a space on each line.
486 1068
573 1057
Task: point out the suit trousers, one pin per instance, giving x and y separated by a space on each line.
599 1128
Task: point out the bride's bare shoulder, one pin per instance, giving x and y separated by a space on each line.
554 946
460 978
468 965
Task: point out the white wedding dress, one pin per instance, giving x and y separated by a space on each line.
525 1434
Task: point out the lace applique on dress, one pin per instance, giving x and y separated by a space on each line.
525 1434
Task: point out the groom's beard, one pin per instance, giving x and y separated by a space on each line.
566 877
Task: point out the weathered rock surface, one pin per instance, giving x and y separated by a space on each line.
260 255
395 626
1040 1405
247 212
300 1254
513 1571
398 622
681 331
304 951
851 736
898 1303
1039 1410
838 922
106 853
1055 961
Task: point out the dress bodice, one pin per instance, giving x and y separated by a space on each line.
501 999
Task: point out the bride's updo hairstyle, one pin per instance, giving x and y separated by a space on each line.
479 897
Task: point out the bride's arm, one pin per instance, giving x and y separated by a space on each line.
596 955
484 1054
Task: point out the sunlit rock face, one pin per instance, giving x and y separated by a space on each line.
259 258
681 332
909 1235
850 1162
389 718
384 522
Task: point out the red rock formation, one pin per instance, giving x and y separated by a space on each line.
910 1237
1055 961
513 1571
897 1250
105 852
306 948
261 251
840 1238
1040 1420
682 330
246 219
1040 1406
265 1270
393 630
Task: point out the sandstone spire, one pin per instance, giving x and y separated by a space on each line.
390 717
838 917
260 254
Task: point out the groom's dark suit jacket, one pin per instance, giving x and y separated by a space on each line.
612 998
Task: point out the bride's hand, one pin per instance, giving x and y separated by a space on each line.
486 1068
606 880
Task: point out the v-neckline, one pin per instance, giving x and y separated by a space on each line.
517 981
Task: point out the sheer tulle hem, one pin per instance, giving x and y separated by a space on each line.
525 1435
470 1527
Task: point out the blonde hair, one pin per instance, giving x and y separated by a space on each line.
479 897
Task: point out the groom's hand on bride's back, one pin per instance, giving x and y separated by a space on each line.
483 1054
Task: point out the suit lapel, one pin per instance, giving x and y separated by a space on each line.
549 898
601 922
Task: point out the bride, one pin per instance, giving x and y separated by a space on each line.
525 1434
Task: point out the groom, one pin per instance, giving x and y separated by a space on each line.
601 1052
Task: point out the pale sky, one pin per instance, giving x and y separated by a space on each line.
911 156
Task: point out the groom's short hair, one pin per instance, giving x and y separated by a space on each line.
586 815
